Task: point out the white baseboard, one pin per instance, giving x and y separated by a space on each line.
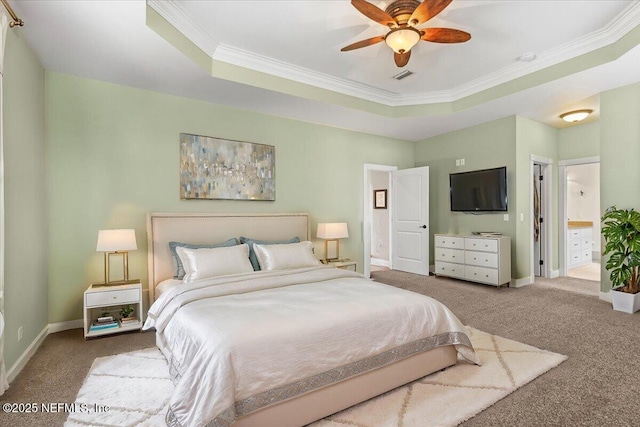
605 296
380 262
13 372
518 283
554 274
52 328
65 326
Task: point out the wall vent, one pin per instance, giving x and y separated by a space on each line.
403 74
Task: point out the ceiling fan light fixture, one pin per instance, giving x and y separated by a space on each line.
401 40
575 116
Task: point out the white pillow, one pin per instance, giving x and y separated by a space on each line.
210 262
281 257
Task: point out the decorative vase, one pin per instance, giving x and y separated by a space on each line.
625 302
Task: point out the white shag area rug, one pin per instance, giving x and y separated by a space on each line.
136 388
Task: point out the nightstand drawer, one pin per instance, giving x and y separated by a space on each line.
120 296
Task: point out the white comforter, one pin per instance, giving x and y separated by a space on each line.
242 342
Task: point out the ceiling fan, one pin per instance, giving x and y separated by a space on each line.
403 17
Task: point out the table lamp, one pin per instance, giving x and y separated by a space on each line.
332 232
116 242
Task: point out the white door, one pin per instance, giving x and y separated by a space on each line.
410 220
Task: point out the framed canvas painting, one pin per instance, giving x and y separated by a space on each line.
216 168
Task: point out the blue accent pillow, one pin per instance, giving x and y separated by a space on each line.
252 254
176 259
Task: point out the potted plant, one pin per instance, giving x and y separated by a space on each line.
125 312
621 232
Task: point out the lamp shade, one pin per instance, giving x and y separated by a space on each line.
402 39
332 230
116 240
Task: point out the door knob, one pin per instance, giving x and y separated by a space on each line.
423 226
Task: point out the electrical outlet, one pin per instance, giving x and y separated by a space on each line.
461 162
506 217
457 162
20 333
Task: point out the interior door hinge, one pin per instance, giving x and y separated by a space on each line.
541 220
541 177
541 262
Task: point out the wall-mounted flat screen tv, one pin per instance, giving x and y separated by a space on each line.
479 191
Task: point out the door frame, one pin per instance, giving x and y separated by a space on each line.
547 171
562 206
367 213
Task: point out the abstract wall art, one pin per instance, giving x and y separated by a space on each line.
215 168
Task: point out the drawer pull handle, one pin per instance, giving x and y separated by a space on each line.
486 260
487 275
475 274
115 297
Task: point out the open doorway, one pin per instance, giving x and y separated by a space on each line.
583 221
376 222
380 222
579 231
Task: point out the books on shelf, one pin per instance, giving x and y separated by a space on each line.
128 320
100 326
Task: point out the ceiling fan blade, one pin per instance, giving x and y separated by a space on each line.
445 35
427 10
374 12
363 43
402 59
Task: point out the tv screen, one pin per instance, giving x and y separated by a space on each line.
479 191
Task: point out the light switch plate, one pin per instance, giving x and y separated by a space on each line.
506 217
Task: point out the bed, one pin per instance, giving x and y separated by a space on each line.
285 347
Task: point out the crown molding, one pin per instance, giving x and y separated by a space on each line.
178 17
264 64
170 10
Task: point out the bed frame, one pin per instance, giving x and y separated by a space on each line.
199 228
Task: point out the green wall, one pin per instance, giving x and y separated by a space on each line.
506 142
25 226
483 146
533 138
619 153
113 154
579 141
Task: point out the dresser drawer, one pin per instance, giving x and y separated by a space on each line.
481 274
575 257
450 255
575 244
449 269
586 243
586 255
585 233
574 234
488 245
104 298
449 242
482 259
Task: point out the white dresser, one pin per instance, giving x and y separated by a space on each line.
482 259
579 244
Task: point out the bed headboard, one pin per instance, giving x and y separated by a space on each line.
202 228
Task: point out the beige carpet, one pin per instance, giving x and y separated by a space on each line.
135 387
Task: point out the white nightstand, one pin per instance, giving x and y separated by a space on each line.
99 299
345 264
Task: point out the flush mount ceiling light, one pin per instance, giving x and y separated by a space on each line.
403 17
575 116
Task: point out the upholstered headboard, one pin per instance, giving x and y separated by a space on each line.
202 228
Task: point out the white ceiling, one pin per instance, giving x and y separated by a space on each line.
109 41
